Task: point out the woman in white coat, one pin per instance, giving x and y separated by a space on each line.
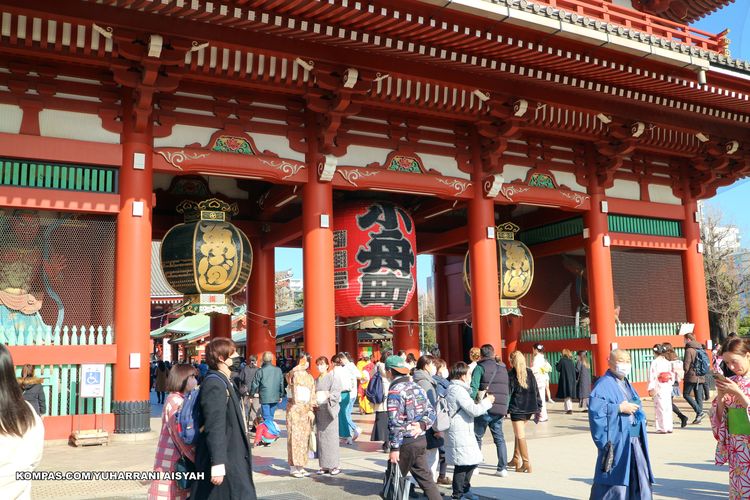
660 382
541 369
461 448
21 433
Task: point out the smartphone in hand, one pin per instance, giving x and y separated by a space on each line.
719 376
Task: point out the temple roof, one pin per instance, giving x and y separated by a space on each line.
681 11
160 289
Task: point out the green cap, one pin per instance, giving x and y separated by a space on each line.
397 364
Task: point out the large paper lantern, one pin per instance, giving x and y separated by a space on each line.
206 258
515 266
375 257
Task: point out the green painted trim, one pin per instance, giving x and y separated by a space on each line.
552 232
555 333
644 225
85 178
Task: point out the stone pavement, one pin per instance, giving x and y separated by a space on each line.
562 455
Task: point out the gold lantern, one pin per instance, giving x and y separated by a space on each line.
207 258
515 269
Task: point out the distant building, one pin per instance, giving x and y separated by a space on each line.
285 296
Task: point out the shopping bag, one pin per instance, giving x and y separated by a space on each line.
395 486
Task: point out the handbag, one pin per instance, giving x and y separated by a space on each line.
737 422
312 443
395 486
185 468
608 455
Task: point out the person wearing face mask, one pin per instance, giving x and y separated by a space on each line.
729 418
618 426
441 379
182 379
327 397
423 376
222 450
299 415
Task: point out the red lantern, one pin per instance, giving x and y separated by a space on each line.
375 259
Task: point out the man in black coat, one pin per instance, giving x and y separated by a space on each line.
222 451
491 375
244 381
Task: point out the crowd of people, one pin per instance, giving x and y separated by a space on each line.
427 416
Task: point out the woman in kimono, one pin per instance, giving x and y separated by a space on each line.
327 397
729 417
170 448
660 383
583 373
617 421
541 369
299 415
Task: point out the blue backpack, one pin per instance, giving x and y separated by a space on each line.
700 363
374 391
189 416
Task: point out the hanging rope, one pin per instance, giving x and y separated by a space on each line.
547 312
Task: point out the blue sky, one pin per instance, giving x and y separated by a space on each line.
732 200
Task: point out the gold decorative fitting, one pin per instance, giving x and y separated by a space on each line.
211 209
507 231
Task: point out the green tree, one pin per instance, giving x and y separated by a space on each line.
428 338
725 281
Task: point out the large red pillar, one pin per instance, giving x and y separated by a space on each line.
221 326
442 330
348 340
696 300
133 281
317 246
512 336
485 298
261 304
601 286
406 328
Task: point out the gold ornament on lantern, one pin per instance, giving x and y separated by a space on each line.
515 269
207 258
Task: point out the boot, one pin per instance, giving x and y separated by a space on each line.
525 465
515 462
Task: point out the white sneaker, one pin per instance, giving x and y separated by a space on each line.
502 473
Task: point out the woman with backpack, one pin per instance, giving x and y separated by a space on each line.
222 450
378 398
327 397
171 448
461 447
423 376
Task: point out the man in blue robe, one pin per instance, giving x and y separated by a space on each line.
616 416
